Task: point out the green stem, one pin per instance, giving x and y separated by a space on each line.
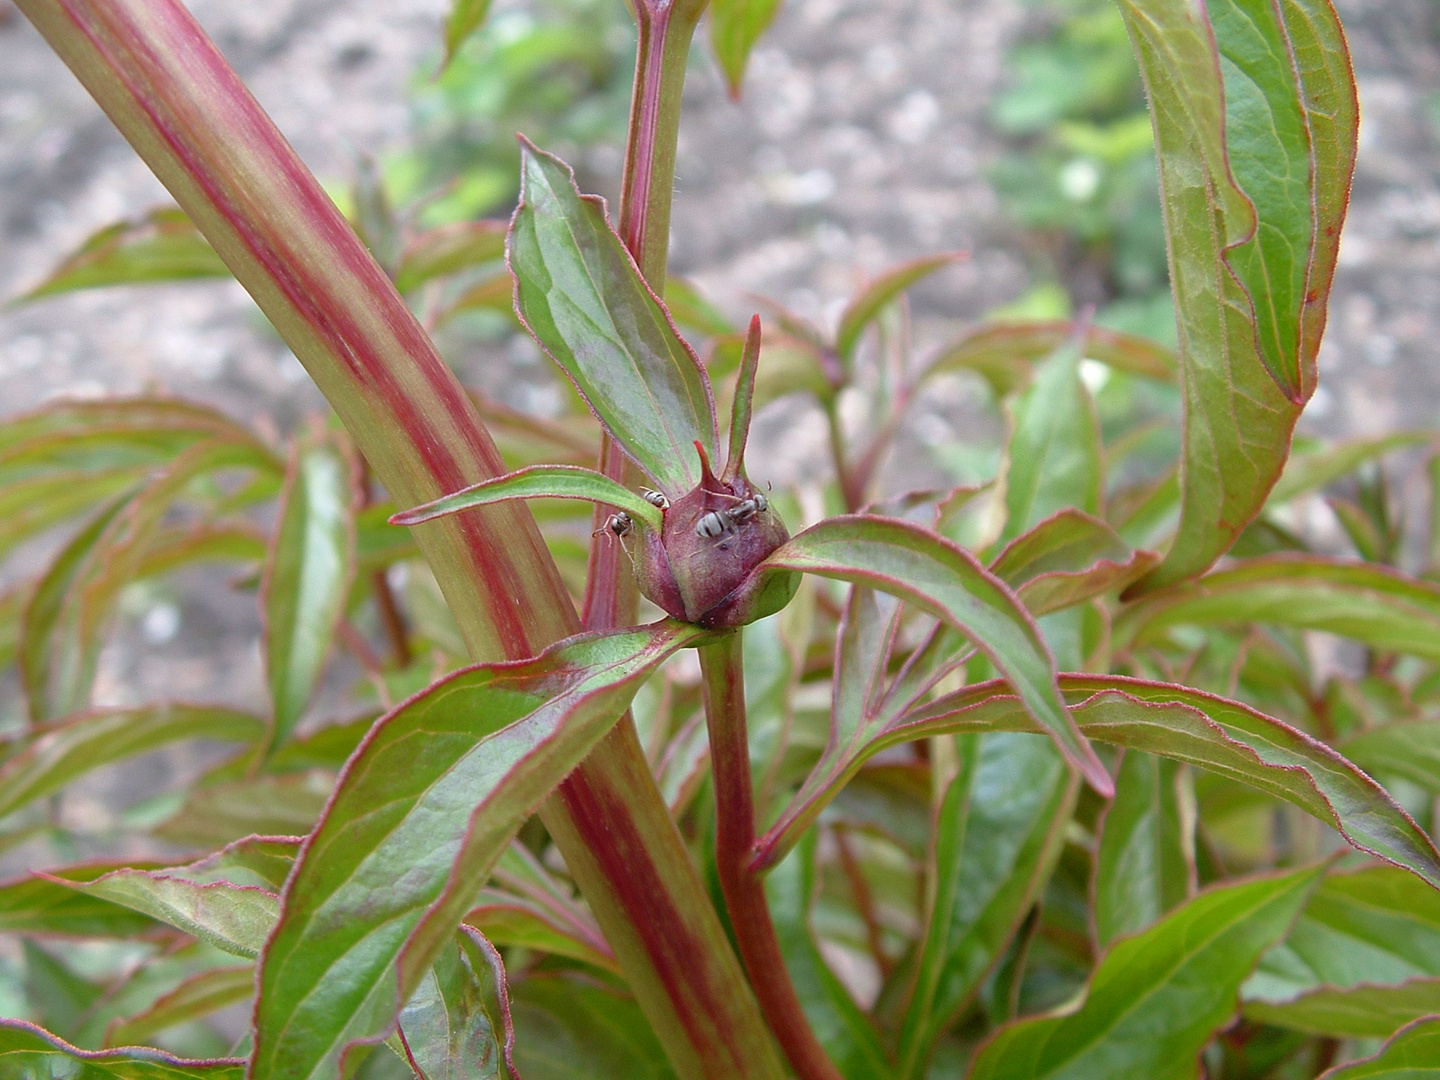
723 668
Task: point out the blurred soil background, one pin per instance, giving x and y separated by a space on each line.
869 132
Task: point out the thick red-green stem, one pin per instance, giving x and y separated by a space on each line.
722 664
171 93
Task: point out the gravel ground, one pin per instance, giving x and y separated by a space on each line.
861 141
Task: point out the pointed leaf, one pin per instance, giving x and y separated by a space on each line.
1066 559
235 918
26 1050
465 18
1053 459
1413 1054
744 402
540 482
48 906
944 580
307 578
735 26
1156 998
1363 959
1212 733
60 752
457 1024
999 829
849 1038
1310 472
1145 863
196 997
496 738
865 308
161 246
580 294
1372 604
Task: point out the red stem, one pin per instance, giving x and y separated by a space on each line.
722 664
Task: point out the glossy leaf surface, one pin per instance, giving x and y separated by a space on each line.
429 826
1066 559
1413 1054
1155 998
457 1024
307 578
537 482
579 292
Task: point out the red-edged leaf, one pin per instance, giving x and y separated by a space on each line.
865 308
457 1025
1414 1053
1067 559
430 823
33 1051
198 996
540 482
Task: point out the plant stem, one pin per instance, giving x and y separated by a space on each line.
722 664
171 93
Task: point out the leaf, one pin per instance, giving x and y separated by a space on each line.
1053 457
1373 604
457 1024
307 578
1408 749
1250 268
26 1050
222 812
744 404
866 307
580 294
235 918
1363 959
1155 998
536 482
1305 473
496 738
849 1038
64 750
46 905
735 27
200 995
465 18
59 996
449 249
1413 1054
1005 353
944 580
571 1030
163 245
999 828
1068 558
1145 861
1210 732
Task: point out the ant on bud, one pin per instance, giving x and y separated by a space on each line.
618 525
655 498
719 522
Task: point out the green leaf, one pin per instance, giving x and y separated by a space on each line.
944 580
34 503
457 1024
539 482
1373 604
198 996
1413 1054
263 861
307 577
999 829
866 307
465 18
234 918
62 751
1210 732
846 1033
1363 959
60 998
496 739
46 905
1410 750
571 1030
449 249
1053 459
1067 559
219 813
161 246
579 293
1310 472
735 26
1005 353
1156 998
26 1051
1250 268
1145 863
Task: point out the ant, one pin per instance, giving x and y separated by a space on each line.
717 523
